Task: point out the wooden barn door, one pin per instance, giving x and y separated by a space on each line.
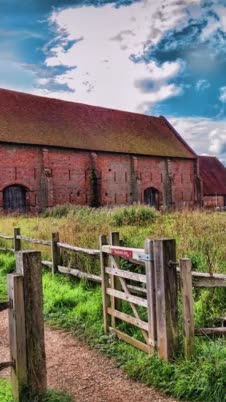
14 198
151 197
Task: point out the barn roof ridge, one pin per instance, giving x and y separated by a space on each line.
33 119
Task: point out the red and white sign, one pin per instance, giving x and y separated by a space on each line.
122 253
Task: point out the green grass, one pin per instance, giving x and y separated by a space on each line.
51 396
76 306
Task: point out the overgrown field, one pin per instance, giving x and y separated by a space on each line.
77 306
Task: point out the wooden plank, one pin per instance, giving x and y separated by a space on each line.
47 263
6 237
17 335
55 252
79 274
124 252
127 318
35 241
126 274
151 293
114 280
187 305
137 289
130 298
132 305
17 241
75 248
206 275
28 263
134 342
7 249
166 297
104 282
210 331
210 282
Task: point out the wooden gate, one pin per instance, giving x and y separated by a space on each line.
153 290
137 289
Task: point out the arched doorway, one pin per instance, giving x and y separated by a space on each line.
151 197
14 198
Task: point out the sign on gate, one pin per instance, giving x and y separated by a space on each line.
122 253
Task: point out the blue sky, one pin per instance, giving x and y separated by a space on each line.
155 57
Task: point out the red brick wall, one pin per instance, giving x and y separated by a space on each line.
57 176
213 201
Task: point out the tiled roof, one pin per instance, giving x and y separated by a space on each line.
213 174
29 119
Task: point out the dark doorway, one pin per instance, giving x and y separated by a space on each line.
151 197
14 199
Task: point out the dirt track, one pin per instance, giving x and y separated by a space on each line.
84 373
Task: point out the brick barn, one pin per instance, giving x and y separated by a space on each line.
213 175
55 152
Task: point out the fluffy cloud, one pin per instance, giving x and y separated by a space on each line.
109 53
223 94
203 135
201 85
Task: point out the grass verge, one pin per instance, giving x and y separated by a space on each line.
51 396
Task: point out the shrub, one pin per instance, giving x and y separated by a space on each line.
135 215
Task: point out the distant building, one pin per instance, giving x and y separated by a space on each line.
213 175
55 152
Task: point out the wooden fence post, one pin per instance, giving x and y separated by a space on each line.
17 242
187 305
28 264
115 283
55 252
17 338
151 294
104 282
166 297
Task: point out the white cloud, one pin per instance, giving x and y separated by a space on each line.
223 94
201 85
108 41
204 135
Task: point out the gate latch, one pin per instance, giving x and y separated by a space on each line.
145 257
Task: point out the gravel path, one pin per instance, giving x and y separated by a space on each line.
84 373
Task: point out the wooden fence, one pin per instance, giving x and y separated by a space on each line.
154 288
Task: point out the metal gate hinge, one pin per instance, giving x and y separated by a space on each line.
145 257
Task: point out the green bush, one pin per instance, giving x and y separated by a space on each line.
135 215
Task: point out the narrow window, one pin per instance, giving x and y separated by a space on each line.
15 173
114 176
182 178
115 198
126 178
69 174
35 173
